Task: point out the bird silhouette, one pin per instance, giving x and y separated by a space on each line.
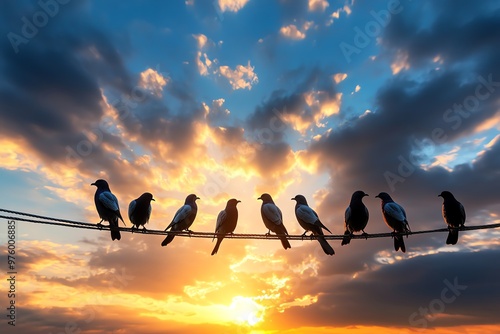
453 215
309 221
226 222
107 207
356 216
395 217
183 218
273 219
139 210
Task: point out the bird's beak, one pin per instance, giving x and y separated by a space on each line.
92 184
197 198
259 198
440 195
292 198
368 195
377 196
153 199
238 201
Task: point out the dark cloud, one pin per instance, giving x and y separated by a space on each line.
402 288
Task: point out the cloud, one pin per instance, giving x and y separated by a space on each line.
242 77
292 32
232 5
318 5
339 77
203 64
201 40
152 81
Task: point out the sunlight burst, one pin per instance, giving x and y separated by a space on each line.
246 310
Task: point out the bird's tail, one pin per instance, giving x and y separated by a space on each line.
399 243
217 245
452 237
284 241
168 239
325 245
115 232
347 238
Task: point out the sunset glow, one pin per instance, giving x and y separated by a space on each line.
236 99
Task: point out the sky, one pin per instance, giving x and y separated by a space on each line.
232 99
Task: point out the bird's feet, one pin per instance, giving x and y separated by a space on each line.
189 232
364 234
268 233
144 229
99 225
303 235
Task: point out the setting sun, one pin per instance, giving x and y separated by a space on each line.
261 132
246 310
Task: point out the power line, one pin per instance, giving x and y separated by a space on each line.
37 219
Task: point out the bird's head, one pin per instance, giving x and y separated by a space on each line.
300 199
191 198
147 197
446 195
359 194
384 197
233 202
101 184
266 198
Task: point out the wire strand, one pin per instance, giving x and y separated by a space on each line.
18 216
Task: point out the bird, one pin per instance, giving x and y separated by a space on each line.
107 207
183 218
395 217
453 215
309 221
226 222
356 216
139 210
273 219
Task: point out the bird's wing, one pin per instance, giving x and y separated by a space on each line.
182 213
306 214
131 208
220 220
347 216
395 211
462 211
109 200
273 213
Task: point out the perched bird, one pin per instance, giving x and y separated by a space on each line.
395 218
226 222
107 207
453 214
183 219
356 216
273 219
139 210
309 221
